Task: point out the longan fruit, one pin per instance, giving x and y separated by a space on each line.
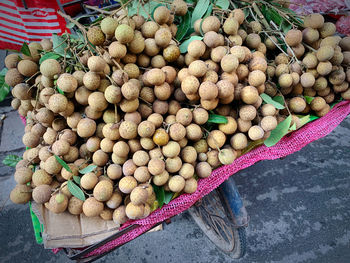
285 80
314 21
227 156
294 37
256 78
253 40
127 184
310 35
208 90
256 133
177 131
239 141
307 80
161 179
197 68
230 127
173 165
171 149
142 174
196 48
200 116
156 166
216 139
229 63
155 76
318 103
190 186
161 15
211 23
230 26
187 171
184 116
160 137
140 158
114 171
156 119
203 169
190 85
268 110
176 183
325 53
249 95
268 123
297 104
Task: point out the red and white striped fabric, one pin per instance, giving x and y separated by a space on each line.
36 21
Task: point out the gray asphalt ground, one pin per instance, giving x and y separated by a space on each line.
299 211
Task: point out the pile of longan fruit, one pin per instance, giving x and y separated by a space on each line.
138 109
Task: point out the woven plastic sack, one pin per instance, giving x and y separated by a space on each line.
289 144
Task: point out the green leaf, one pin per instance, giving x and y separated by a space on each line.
4 91
159 191
279 99
59 45
209 10
11 160
304 120
277 134
199 10
3 72
144 11
286 26
49 55
168 197
214 118
293 127
223 4
308 99
63 163
59 90
183 47
70 25
76 179
266 98
25 50
313 117
75 190
88 169
184 26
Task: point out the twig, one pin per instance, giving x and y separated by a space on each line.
284 40
268 27
260 15
80 26
98 10
309 47
32 76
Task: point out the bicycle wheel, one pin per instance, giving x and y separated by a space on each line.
214 217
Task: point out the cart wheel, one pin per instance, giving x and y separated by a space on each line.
213 215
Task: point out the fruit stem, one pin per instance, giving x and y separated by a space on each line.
284 40
309 47
268 27
80 26
260 15
98 10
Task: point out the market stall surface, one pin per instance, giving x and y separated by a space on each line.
299 210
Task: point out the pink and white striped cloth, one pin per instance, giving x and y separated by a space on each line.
33 22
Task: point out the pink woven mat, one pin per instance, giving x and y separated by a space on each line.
288 145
